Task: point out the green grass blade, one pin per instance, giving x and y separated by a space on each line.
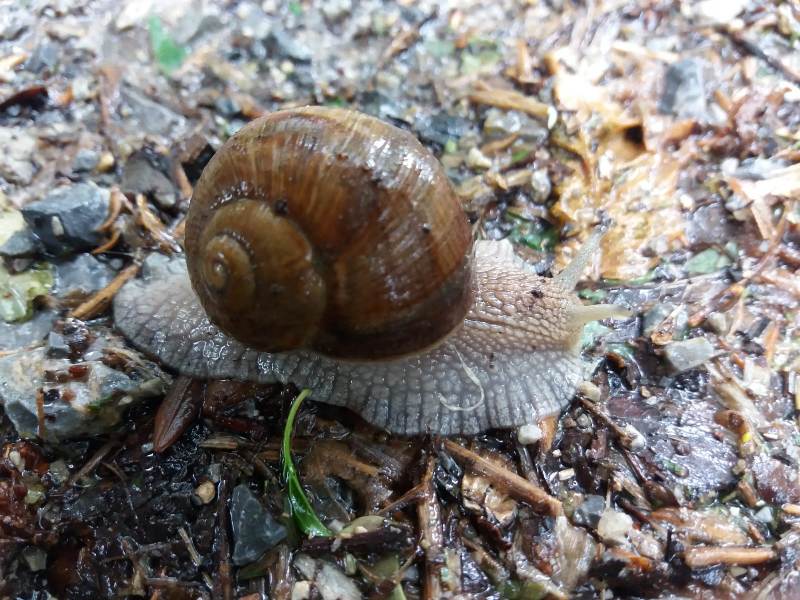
302 513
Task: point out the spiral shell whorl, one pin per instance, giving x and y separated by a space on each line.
255 274
329 229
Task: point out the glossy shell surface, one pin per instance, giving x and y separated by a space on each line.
330 230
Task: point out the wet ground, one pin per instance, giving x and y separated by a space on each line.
674 472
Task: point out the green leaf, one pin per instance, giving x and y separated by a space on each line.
296 8
527 590
440 48
18 291
646 278
593 296
337 102
520 155
168 54
593 331
707 261
534 234
451 146
299 506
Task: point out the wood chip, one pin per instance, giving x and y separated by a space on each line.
706 556
98 303
516 486
509 100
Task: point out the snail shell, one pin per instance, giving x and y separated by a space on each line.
375 298
331 230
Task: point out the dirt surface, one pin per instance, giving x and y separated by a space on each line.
674 473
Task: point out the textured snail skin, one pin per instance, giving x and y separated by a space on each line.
514 360
327 249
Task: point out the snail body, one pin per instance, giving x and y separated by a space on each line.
327 249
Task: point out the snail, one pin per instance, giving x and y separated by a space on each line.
327 248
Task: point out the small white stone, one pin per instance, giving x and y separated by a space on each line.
16 459
206 492
566 474
635 440
614 526
478 160
301 590
764 515
590 390
529 434
719 11
57 226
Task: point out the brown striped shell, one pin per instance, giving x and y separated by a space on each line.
327 229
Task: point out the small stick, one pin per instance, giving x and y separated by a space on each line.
223 585
413 495
508 100
86 469
114 207
109 244
40 413
705 556
197 560
179 229
100 301
791 509
752 48
516 486
431 536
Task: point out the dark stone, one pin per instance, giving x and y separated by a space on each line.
45 57
57 346
194 155
85 161
684 90
17 335
254 529
441 127
145 173
67 219
153 117
91 404
282 45
227 106
709 225
83 275
589 512
384 107
21 244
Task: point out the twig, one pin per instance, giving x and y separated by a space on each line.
402 42
509 100
389 537
197 560
413 495
116 201
431 536
516 486
751 48
223 584
92 463
705 556
108 244
40 413
100 301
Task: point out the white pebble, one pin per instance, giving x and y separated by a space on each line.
529 434
478 160
614 526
